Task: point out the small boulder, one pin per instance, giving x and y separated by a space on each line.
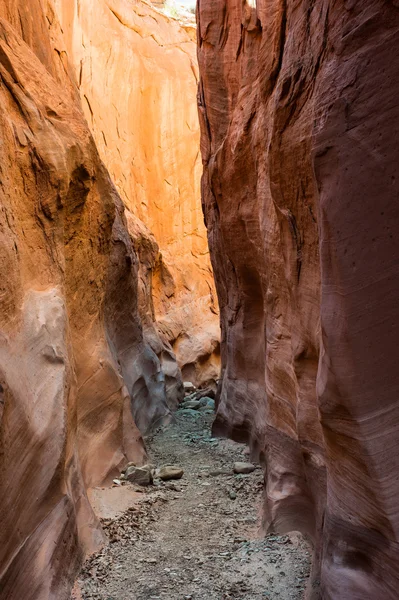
207 403
188 387
170 472
139 475
243 468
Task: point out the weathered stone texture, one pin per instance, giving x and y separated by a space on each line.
299 117
74 363
137 75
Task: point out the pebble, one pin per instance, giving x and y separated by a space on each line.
232 495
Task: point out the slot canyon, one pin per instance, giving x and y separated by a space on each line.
199 299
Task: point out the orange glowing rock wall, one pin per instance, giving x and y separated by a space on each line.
137 74
84 367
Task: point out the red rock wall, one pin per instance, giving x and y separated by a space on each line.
137 75
73 358
298 110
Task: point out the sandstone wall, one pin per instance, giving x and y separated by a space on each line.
137 75
299 116
74 362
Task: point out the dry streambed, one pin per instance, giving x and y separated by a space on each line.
198 537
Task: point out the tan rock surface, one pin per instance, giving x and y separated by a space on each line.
112 502
298 106
137 75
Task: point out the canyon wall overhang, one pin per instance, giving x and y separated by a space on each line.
299 117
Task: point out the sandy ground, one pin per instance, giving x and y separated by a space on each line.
197 538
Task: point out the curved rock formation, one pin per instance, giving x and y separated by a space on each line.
298 110
73 358
137 75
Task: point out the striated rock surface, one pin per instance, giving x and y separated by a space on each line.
298 108
137 75
74 362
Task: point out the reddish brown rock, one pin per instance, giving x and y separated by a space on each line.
137 75
73 358
298 108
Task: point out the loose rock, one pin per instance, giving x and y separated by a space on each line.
207 403
243 468
188 387
192 404
170 472
139 475
193 539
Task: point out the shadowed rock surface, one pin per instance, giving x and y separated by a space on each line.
299 117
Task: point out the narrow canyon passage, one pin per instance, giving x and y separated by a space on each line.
199 199
196 538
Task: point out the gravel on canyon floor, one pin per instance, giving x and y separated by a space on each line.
197 538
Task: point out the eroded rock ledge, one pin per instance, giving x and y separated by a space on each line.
298 106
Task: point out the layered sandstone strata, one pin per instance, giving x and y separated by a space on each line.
299 111
74 363
137 75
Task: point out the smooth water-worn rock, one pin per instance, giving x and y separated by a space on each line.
74 361
243 468
299 112
170 472
137 75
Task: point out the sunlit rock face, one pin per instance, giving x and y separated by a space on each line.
137 76
74 363
299 112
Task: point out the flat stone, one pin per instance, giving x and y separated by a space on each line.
170 472
218 472
192 405
189 412
243 468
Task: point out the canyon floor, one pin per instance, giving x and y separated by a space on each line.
199 537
